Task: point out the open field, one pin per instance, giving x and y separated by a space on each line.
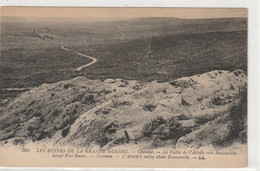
31 51
171 57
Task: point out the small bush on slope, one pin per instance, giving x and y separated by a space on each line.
238 115
237 129
149 127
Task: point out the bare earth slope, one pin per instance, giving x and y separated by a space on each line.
188 112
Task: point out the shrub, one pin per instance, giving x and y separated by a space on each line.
183 117
149 127
176 130
102 139
30 128
55 112
66 86
150 107
243 136
238 123
68 120
42 135
216 101
65 131
184 102
238 114
18 142
89 99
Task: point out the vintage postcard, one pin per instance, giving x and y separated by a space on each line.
123 87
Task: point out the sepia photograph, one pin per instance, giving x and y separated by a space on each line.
165 86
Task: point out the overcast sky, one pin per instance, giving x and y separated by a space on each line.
123 13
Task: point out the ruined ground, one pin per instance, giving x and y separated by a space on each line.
196 111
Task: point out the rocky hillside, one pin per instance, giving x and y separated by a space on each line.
196 111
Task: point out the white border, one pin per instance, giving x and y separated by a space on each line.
253 49
133 3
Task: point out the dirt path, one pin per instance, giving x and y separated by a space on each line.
16 89
94 60
64 48
123 35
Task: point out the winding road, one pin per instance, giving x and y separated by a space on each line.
123 35
94 60
64 48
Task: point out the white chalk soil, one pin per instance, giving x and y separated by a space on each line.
187 112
